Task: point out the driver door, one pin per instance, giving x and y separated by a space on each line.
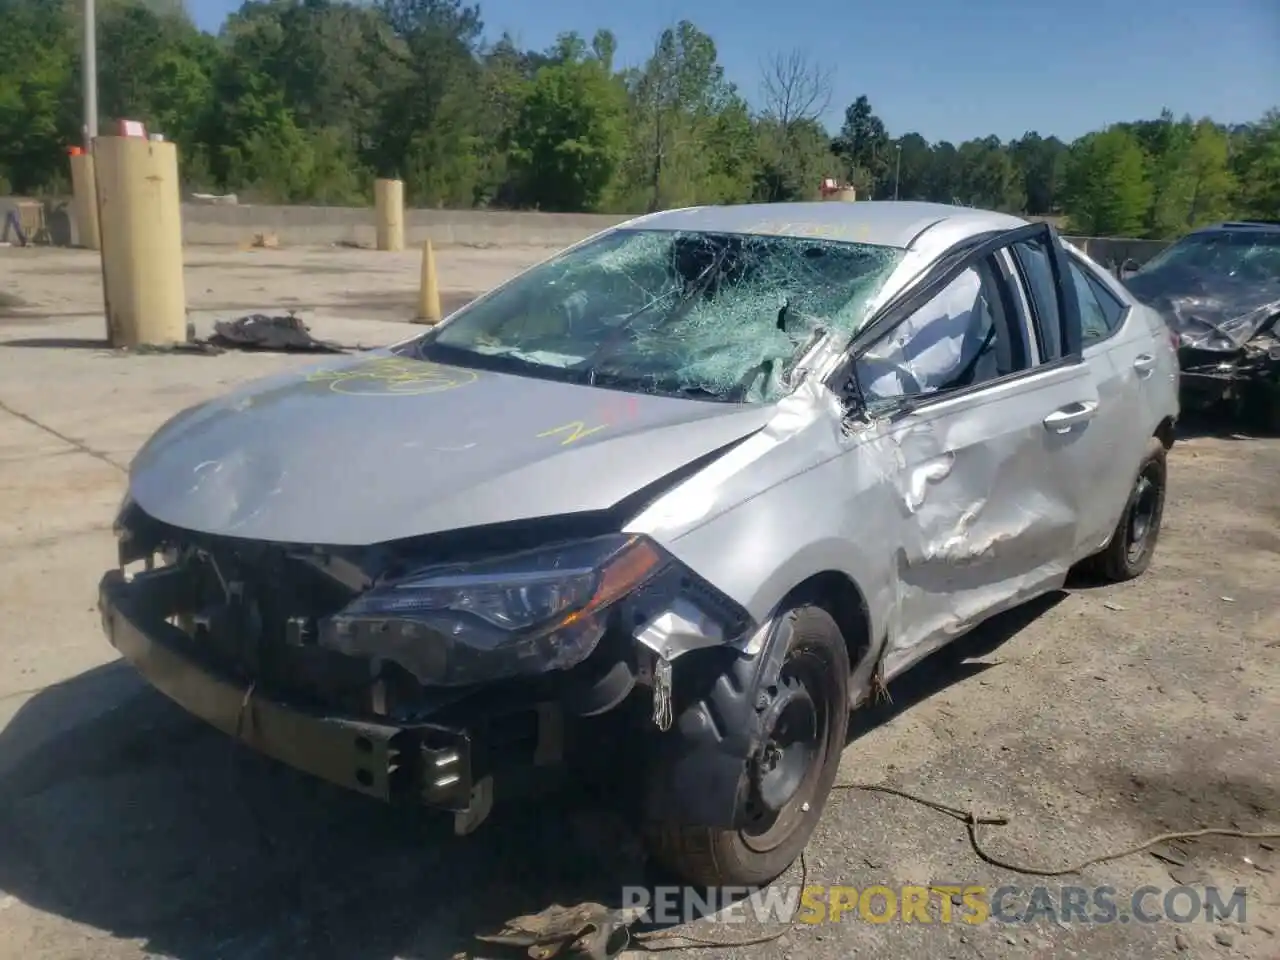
977 435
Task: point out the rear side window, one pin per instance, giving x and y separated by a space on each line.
1037 276
1100 311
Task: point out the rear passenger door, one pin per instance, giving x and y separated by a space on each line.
1111 346
1118 349
981 438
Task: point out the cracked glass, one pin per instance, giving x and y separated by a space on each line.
683 313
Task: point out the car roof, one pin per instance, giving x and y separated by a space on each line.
890 223
1261 226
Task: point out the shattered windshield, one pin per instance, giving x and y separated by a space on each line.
1246 255
692 314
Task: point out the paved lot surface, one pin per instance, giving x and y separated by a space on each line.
50 286
1093 719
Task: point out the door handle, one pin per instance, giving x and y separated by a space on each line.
1064 418
1144 363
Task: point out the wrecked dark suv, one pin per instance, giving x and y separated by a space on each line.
1219 290
679 497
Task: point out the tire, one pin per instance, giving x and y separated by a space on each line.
1133 544
816 657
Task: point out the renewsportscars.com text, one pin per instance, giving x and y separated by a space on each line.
938 903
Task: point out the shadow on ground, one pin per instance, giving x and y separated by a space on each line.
955 663
146 824
59 343
142 822
1220 426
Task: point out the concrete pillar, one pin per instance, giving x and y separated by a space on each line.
84 190
388 202
140 219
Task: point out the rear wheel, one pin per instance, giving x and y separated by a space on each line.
805 718
1133 543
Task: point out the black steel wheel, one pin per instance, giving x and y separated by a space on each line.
804 719
1133 543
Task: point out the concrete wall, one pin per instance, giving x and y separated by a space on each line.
211 223
1113 251
214 223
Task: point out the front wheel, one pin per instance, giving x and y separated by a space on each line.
805 719
1134 541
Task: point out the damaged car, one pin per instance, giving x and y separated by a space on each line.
684 495
1218 288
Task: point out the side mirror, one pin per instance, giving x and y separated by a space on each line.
1128 269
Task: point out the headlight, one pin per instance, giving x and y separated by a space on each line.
521 614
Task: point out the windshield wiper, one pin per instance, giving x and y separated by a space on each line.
700 393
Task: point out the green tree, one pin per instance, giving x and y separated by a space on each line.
791 161
308 100
1040 162
568 136
1257 168
863 147
430 100
988 177
678 98
794 149
1208 171
1106 190
38 120
913 167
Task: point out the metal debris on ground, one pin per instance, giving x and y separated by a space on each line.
590 931
258 331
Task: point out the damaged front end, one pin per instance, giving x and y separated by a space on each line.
1219 293
422 671
1247 379
1235 364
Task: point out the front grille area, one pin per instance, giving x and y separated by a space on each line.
255 609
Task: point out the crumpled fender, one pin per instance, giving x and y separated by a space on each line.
699 769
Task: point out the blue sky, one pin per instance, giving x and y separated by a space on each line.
956 69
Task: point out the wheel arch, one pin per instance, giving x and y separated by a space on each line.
840 596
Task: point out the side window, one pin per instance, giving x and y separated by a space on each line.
1037 276
966 335
1100 312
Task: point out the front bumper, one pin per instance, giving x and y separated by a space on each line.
426 764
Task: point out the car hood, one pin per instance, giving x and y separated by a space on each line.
380 447
1208 312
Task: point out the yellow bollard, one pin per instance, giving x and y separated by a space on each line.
84 191
140 222
428 292
388 203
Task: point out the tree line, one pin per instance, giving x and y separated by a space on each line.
309 100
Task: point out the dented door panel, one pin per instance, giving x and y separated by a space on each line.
940 519
994 497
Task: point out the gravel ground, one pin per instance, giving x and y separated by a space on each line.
1092 719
